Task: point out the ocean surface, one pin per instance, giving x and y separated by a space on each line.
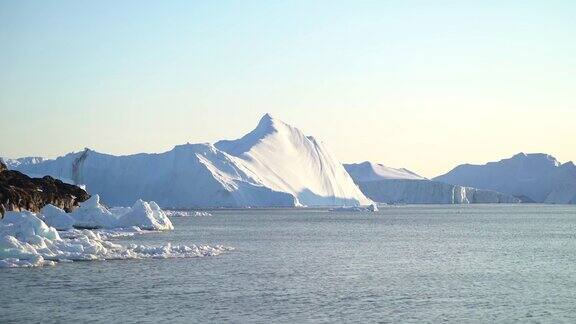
462 263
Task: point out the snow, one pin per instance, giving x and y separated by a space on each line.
13 163
533 177
286 160
26 241
119 211
144 215
368 171
275 165
147 216
91 214
57 218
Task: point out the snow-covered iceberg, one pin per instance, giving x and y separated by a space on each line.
57 218
286 160
393 186
532 177
26 241
93 215
273 165
147 216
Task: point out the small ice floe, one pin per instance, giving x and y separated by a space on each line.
93 215
26 241
187 213
369 208
147 216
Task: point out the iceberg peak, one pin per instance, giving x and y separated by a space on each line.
268 125
267 116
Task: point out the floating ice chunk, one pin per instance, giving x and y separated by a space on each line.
92 215
369 208
160 217
56 217
26 241
186 213
146 216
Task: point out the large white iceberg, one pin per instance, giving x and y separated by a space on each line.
273 165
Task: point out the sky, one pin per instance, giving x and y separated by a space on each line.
424 85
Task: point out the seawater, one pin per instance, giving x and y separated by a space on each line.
462 263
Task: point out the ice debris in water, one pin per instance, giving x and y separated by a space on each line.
369 208
26 241
187 213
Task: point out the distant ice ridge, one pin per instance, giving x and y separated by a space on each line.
14 163
532 177
367 171
392 186
26 241
275 165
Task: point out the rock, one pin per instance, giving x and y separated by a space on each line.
19 192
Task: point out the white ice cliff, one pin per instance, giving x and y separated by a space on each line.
392 186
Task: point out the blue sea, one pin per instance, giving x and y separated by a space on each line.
403 264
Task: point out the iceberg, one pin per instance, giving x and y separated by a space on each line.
367 171
275 165
147 216
91 215
401 186
539 178
26 241
286 160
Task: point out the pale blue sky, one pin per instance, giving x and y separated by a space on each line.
419 84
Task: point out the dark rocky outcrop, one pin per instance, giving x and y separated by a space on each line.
20 192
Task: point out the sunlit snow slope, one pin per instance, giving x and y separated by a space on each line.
286 160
